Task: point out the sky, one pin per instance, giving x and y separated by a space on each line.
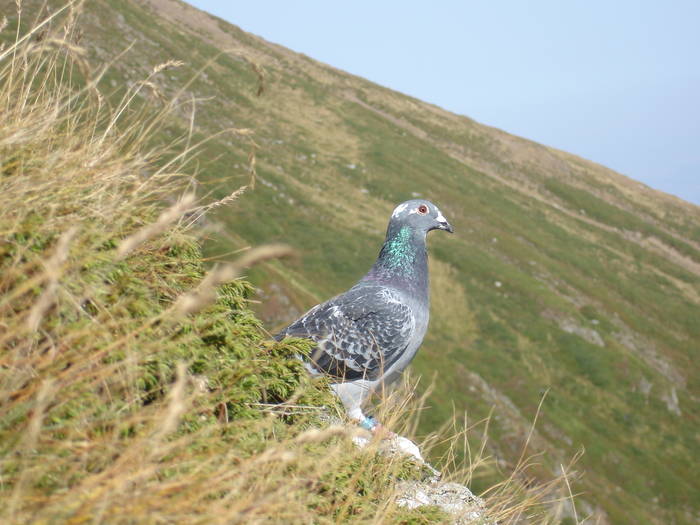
616 82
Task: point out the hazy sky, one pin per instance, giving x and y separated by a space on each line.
617 82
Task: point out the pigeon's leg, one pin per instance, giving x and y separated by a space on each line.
352 394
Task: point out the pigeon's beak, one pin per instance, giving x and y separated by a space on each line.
447 227
443 224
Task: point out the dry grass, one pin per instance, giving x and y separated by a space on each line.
133 387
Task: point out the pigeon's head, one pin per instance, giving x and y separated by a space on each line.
420 215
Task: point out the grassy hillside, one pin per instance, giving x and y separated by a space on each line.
562 277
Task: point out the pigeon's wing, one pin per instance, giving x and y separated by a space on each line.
359 334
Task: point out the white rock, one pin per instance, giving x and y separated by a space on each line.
453 498
360 442
408 447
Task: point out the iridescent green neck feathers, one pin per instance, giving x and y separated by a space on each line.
399 250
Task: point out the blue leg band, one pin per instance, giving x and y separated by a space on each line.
368 423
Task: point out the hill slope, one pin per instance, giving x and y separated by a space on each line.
562 275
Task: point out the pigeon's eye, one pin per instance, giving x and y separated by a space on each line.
422 209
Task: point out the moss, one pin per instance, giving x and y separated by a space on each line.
421 516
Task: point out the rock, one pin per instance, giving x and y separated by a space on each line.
589 334
393 445
570 326
453 498
645 386
407 447
671 400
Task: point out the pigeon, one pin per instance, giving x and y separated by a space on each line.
368 335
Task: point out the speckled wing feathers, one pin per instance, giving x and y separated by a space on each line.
359 334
